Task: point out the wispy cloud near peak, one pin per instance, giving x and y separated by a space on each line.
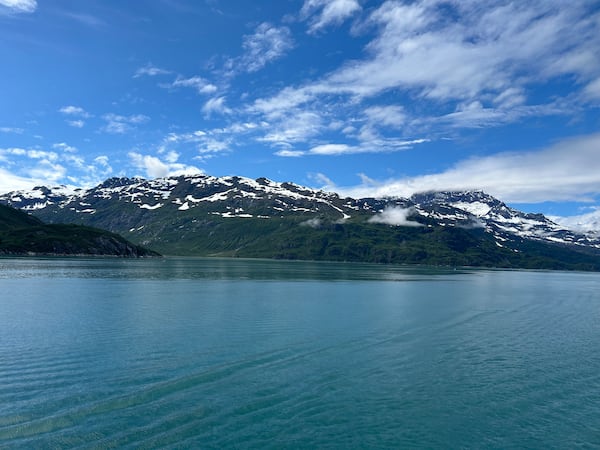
566 171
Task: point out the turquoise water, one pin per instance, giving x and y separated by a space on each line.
210 353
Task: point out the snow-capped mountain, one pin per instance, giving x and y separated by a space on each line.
503 222
128 204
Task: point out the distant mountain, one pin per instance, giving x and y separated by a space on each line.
236 216
23 234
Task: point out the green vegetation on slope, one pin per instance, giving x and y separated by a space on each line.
291 238
22 234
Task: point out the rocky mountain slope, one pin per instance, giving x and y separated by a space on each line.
237 216
23 234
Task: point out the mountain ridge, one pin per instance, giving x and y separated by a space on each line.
237 216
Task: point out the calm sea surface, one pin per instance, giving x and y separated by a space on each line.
213 353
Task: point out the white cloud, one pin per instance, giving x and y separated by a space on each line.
102 160
395 216
76 123
315 222
47 170
211 145
486 49
12 182
11 130
290 153
156 168
26 168
64 147
566 171
85 19
333 149
150 70
118 124
29 153
208 143
387 115
201 85
195 136
323 13
298 126
477 70
585 223
19 6
74 111
321 179
266 44
279 105
215 105
592 90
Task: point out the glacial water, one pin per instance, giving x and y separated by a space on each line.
214 353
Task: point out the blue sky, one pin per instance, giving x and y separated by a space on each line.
363 97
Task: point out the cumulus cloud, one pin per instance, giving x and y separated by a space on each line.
395 216
566 171
154 167
19 6
78 114
322 13
71 110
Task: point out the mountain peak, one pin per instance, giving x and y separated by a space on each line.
133 202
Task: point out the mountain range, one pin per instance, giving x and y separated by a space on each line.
242 217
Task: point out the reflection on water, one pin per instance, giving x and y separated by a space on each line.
214 269
220 353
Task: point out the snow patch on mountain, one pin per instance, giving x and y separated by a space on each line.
240 197
478 209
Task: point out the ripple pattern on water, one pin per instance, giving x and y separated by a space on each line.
474 359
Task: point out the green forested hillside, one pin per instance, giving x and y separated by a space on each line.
22 234
289 238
